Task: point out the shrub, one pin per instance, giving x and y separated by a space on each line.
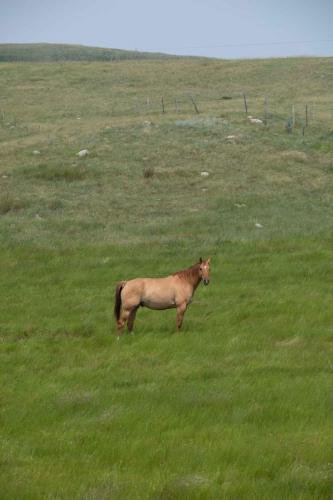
148 172
68 173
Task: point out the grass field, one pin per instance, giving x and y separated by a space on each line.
238 405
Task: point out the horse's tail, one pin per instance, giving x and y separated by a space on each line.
117 299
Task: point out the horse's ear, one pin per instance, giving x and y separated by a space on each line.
200 260
208 260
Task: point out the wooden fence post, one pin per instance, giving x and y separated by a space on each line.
163 107
245 102
194 104
306 116
293 115
266 111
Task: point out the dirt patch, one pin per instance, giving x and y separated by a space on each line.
298 156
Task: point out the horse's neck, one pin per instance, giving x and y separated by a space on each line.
190 276
196 283
193 278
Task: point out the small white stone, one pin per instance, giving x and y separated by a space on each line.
255 120
204 174
82 153
36 152
258 225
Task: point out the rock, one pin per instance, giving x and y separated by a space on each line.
36 152
204 174
82 153
147 127
258 225
255 120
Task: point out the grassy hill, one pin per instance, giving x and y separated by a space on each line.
239 404
50 52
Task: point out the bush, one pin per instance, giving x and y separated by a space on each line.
148 172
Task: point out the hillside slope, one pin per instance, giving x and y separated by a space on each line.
48 52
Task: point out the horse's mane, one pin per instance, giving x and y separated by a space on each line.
188 274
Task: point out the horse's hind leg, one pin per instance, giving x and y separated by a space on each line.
120 327
127 315
131 319
122 321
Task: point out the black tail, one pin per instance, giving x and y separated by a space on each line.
117 300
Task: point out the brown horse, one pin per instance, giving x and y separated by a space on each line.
174 291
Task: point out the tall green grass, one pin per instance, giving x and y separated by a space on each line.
237 405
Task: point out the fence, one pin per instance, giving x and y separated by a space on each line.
231 106
269 110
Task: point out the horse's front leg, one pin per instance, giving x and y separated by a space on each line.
181 308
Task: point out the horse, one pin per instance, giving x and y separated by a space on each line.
173 291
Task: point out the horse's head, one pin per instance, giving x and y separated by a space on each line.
204 270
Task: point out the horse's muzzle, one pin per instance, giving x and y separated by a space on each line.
205 281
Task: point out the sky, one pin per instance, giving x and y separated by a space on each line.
212 28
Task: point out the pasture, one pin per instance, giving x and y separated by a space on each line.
237 405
